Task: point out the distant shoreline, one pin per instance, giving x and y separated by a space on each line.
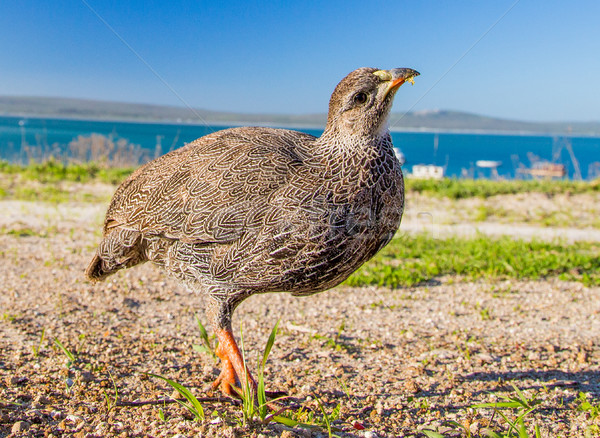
233 124
436 121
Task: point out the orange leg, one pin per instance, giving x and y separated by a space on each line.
231 378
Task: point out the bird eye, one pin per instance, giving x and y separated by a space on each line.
360 98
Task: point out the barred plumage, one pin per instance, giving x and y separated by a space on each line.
253 210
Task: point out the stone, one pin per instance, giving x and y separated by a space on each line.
20 426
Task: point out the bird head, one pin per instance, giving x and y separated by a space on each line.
361 102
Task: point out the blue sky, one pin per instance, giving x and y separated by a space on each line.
540 62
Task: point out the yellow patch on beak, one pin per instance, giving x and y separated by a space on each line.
384 75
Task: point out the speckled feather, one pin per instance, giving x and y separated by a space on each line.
253 210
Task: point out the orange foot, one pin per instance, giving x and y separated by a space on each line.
231 379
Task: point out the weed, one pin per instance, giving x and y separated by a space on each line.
70 356
344 387
331 342
247 393
111 404
523 406
309 420
593 410
206 346
326 418
36 350
485 314
10 317
193 405
261 393
252 407
161 415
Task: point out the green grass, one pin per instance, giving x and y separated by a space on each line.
52 181
470 188
514 409
54 171
412 259
192 404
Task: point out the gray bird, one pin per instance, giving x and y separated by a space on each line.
253 210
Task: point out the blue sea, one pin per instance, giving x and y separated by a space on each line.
457 152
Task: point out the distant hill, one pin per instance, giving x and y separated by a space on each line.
422 120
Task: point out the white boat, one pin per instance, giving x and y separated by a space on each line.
488 164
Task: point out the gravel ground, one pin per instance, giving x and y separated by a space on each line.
394 361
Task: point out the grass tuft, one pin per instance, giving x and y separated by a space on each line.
470 188
413 259
193 405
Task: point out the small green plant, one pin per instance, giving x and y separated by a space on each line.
344 387
246 393
586 406
308 419
36 349
261 392
206 346
523 406
193 405
8 317
161 415
333 343
485 314
71 359
256 403
592 430
328 418
111 403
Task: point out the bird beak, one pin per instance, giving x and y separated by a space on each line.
396 77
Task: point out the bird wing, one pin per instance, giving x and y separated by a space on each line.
211 190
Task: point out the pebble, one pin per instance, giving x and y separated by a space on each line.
474 428
307 388
411 386
56 415
303 432
14 381
20 426
370 434
534 355
42 400
485 358
86 377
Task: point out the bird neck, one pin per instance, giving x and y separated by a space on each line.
346 145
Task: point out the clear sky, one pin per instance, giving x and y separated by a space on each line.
540 62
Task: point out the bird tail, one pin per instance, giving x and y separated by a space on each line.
119 249
95 271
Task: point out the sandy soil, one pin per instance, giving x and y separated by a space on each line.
395 361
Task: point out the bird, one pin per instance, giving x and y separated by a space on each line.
252 210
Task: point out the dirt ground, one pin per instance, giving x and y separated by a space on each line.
394 361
